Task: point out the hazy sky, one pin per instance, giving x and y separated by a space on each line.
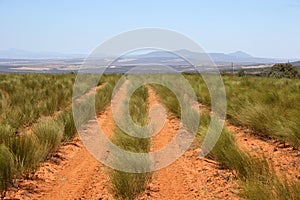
265 28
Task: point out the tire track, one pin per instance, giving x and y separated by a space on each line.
189 177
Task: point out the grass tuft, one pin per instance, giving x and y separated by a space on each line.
131 185
7 167
49 134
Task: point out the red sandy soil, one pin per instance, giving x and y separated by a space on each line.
189 177
72 173
284 159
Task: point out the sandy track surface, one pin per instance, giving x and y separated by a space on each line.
71 174
189 177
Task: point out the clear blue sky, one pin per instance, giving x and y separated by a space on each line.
265 28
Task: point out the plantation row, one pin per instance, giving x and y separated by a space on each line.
257 178
131 185
270 107
22 150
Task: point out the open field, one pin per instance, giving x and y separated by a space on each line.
256 157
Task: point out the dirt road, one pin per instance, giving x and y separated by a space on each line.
72 173
188 177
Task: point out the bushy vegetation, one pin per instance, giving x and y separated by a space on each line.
131 185
27 154
267 106
36 117
6 166
67 121
241 73
283 70
49 134
26 97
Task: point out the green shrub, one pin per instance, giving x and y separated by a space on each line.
49 134
7 167
241 73
68 123
131 185
168 98
103 97
26 152
283 70
128 185
6 134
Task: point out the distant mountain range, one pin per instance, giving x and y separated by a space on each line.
219 58
162 57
